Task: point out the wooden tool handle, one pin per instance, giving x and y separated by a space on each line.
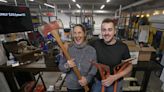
75 69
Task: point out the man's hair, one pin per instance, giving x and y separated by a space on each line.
108 20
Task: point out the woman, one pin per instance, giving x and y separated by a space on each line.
82 55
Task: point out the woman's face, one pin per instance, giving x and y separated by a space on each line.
78 35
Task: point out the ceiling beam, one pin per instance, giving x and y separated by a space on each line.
81 3
134 4
89 11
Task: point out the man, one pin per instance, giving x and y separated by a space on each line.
110 52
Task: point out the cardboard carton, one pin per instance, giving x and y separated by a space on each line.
141 53
145 53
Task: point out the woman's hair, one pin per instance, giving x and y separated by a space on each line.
82 27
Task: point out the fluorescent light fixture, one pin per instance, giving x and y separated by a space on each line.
70 6
147 15
138 16
49 5
31 0
78 6
142 16
89 11
74 0
102 6
107 1
3 1
156 13
99 11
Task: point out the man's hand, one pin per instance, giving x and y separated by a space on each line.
83 81
109 80
71 63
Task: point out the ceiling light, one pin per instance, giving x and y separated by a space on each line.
49 5
147 15
138 16
142 16
99 11
31 0
163 12
102 6
69 6
62 11
3 1
107 1
156 13
74 0
78 6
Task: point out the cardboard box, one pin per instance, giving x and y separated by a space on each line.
145 53
140 53
129 43
133 47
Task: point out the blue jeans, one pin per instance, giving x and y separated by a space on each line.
97 87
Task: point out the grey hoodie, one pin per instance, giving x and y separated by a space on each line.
83 55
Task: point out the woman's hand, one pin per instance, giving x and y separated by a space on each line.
71 63
83 81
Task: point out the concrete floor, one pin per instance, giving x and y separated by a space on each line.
154 81
50 78
154 85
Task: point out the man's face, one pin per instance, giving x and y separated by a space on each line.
108 32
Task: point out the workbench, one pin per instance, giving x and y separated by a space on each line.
33 67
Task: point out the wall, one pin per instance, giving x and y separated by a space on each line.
65 19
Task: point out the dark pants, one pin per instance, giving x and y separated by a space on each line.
75 90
